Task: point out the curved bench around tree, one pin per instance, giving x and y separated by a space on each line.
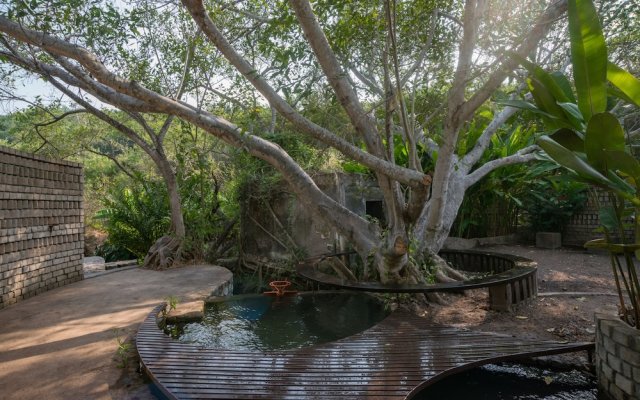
511 280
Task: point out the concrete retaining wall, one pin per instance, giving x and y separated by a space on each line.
41 224
617 358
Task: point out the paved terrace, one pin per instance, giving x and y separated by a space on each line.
61 344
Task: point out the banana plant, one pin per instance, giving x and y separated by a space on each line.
589 140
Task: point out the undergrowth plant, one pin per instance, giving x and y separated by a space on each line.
123 352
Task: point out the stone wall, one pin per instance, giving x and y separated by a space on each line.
617 358
41 224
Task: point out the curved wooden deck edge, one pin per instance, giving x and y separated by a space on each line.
394 359
570 348
515 274
512 279
154 315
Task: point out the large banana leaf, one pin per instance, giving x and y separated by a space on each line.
589 57
604 133
569 139
545 100
569 159
525 105
551 83
626 83
625 163
563 82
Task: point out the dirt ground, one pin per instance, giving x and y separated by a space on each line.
557 313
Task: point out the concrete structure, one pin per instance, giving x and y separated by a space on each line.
41 224
276 225
617 358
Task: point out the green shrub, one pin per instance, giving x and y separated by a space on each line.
135 217
552 202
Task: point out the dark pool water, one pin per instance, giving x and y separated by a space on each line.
259 322
513 382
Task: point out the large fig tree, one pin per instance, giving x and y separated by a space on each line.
376 83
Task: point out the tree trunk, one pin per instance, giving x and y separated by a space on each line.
167 250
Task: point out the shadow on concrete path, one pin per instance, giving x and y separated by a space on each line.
61 344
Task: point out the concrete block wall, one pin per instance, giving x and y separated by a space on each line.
41 224
582 226
617 358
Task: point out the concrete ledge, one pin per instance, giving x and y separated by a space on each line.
456 243
192 311
548 240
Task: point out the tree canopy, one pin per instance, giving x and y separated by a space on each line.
401 89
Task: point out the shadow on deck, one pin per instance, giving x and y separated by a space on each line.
387 361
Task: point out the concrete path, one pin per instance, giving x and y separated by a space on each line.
61 344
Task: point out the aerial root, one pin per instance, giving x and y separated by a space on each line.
163 254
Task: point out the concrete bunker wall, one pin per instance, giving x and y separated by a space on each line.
41 224
275 225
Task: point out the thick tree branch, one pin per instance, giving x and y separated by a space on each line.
101 92
337 78
539 30
363 123
453 122
484 140
404 175
130 133
522 156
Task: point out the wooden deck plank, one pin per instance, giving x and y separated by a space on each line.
387 361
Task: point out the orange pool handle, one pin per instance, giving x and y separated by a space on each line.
279 288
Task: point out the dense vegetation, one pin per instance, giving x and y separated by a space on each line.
197 102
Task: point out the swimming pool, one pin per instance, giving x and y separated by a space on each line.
259 322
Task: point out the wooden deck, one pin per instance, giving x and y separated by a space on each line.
385 362
511 280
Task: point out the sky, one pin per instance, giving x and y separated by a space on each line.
29 89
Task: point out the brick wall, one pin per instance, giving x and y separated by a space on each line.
582 226
617 358
41 224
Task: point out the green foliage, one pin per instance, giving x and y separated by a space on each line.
136 216
598 153
552 202
123 352
172 304
491 206
588 56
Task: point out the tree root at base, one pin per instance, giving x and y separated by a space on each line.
163 254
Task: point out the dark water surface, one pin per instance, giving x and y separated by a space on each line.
513 382
259 322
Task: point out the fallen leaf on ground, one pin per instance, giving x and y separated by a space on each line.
548 380
521 317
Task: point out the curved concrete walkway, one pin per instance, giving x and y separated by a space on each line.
61 344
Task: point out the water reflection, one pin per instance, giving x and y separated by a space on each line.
257 322
514 382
